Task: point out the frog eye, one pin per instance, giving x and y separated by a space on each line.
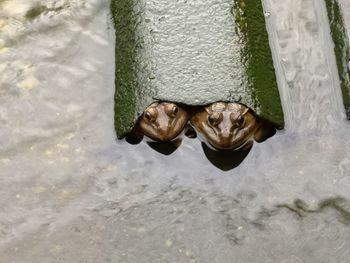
240 120
212 120
148 116
174 111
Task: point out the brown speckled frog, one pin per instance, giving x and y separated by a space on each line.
161 122
229 126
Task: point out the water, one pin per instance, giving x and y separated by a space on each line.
306 65
71 193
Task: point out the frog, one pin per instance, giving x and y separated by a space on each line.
229 126
161 122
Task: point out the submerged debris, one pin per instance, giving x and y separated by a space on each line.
38 10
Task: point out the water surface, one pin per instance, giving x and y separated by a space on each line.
72 193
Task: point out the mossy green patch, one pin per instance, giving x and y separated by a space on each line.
126 80
257 59
341 49
35 12
38 10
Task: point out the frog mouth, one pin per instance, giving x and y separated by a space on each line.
234 148
179 135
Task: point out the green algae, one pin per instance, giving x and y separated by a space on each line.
136 76
257 60
126 80
341 49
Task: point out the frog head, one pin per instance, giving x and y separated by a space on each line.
227 126
163 121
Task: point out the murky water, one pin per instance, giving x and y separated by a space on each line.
71 193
